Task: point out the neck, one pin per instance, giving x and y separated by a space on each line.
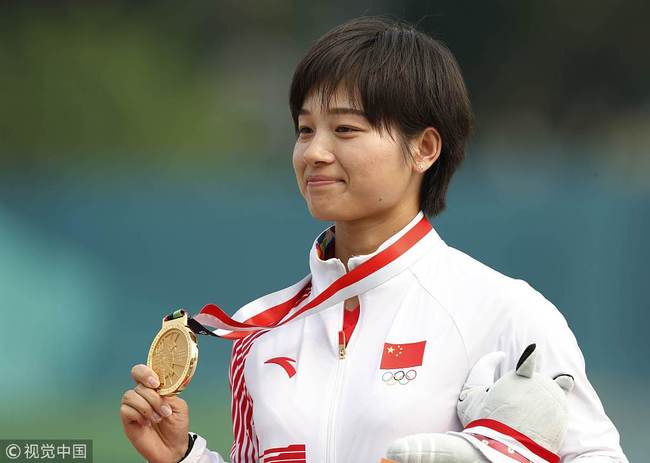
364 236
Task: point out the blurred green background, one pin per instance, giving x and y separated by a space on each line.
145 165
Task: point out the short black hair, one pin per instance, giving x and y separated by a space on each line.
403 78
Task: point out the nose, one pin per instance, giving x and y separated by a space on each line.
319 151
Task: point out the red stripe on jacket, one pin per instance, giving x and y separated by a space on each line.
245 444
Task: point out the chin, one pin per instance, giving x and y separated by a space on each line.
323 215
326 212
329 212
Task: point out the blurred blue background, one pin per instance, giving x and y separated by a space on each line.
145 165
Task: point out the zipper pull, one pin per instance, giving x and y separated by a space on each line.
341 344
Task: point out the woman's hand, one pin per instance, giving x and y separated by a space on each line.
156 426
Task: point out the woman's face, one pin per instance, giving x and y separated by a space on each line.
345 169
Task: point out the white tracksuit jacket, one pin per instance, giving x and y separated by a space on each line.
341 410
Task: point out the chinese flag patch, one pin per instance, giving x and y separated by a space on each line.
402 355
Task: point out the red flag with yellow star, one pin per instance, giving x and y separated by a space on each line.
402 355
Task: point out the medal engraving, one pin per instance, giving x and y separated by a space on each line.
173 356
170 357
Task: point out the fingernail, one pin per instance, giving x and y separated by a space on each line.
155 417
165 410
153 382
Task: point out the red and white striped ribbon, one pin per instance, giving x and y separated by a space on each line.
294 302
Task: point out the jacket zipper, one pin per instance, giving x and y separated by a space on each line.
340 368
342 350
331 441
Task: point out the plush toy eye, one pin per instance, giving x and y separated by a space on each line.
487 389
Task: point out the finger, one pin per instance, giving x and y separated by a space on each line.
177 404
130 415
154 399
144 375
138 402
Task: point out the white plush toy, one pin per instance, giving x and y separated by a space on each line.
522 417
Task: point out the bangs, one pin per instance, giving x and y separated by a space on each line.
369 66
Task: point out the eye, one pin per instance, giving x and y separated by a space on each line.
487 389
303 129
345 129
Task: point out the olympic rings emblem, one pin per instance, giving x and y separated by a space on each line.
398 377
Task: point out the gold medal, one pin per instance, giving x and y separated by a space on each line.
173 354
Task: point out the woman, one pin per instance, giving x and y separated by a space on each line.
382 117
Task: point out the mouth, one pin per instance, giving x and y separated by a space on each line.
321 181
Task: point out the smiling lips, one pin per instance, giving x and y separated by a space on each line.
321 180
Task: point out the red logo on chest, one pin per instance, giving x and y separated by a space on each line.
284 362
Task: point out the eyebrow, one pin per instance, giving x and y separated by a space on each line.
353 111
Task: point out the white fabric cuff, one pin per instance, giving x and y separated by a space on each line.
201 454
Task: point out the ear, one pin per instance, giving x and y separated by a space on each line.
565 381
526 363
426 149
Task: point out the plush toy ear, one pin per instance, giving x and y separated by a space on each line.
565 381
482 372
526 363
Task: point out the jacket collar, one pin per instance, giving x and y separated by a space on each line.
325 271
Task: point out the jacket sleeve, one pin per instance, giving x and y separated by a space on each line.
245 445
591 436
200 453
